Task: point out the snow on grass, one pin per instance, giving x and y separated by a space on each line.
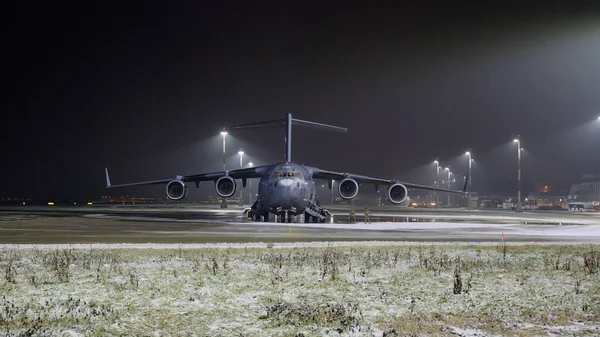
350 289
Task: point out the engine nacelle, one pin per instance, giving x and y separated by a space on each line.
225 186
176 189
397 193
348 188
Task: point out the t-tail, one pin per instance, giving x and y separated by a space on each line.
288 122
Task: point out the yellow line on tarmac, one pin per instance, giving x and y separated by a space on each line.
290 233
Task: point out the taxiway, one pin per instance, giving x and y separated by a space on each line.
206 224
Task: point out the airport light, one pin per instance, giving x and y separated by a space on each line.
470 162
449 173
250 164
224 134
332 181
519 148
437 180
241 153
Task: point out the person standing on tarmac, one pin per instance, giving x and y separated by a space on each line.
352 216
367 215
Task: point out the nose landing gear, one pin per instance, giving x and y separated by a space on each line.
286 217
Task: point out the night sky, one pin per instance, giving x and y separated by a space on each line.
145 90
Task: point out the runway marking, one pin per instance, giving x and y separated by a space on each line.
290 233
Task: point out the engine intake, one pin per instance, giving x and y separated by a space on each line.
348 188
397 193
225 186
176 189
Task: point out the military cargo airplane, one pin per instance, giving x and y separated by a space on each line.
286 189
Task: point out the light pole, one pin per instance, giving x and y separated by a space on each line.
224 134
250 164
437 181
332 181
470 160
449 173
518 141
241 153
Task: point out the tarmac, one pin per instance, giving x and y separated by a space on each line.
184 223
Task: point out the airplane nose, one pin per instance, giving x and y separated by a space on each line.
282 195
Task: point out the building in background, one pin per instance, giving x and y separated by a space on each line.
587 192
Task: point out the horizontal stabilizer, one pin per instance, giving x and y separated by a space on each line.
283 121
266 124
318 125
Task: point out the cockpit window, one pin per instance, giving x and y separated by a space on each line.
286 174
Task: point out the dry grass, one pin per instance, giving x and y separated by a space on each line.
421 289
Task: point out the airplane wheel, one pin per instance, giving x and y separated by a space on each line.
289 219
306 218
315 219
324 220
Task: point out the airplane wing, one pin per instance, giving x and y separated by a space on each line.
331 175
245 173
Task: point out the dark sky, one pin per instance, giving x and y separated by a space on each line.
145 89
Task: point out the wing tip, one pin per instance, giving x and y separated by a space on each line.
107 177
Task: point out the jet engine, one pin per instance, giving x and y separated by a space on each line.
397 193
225 186
176 189
348 188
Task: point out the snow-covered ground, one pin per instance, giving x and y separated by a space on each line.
341 288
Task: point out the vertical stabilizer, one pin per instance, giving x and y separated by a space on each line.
288 138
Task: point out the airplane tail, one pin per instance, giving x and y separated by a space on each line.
288 122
